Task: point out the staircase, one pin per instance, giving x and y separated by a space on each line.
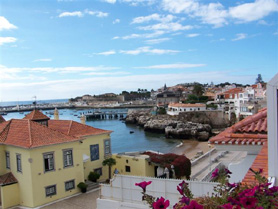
92 185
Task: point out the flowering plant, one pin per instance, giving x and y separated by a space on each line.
225 196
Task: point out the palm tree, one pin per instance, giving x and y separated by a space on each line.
109 161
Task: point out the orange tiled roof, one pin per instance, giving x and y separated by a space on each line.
73 128
250 131
260 162
36 115
186 105
233 91
29 134
2 119
7 178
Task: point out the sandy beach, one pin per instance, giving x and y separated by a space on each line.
190 148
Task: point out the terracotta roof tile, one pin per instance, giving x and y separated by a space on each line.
73 128
7 178
30 134
250 131
2 119
36 115
260 162
186 105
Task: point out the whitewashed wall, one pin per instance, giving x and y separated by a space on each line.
122 191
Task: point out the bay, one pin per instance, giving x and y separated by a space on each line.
122 140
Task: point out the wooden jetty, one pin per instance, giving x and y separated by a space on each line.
105 115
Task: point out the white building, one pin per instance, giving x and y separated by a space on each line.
176 108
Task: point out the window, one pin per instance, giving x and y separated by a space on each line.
107 148
98 170
127 168
69 185
94 152
48 159
18 162
68 160
8 164
50 190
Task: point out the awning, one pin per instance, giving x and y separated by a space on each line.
85 158
250 107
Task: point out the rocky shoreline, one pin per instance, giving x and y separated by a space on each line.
195 125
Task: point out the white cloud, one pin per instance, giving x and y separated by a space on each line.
275 33
157 41
155 16
253 11
110 52
110 1
115 37
212 13
5 24
5 40
97 13
43 60
169 27
148 50
216 14
172 66
71 14
116 21
192 35
139 2
107 73
240 36
144 35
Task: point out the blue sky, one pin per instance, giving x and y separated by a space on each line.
66 48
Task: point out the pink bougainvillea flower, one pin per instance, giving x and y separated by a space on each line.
215 173
232 185
193 205
185 200
161 203
248 202
227 171
143 185
250 192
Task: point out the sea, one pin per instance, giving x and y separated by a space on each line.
124 138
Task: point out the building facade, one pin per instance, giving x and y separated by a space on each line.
46 159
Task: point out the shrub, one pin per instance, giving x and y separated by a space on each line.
93 176
83 187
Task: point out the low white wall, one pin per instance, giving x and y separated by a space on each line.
122 190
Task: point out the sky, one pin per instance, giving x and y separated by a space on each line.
55 49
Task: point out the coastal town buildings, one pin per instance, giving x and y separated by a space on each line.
48 158
176 108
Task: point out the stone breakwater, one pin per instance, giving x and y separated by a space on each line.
181 127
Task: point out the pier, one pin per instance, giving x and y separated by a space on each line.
105 115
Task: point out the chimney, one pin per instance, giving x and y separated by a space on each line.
56 114
83 119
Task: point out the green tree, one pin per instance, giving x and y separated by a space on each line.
109 162
259 79
198 90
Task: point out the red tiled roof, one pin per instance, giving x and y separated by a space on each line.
186 105
2 119
36 115
73 128
233 91
251 130
260 162
30 134
7 178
